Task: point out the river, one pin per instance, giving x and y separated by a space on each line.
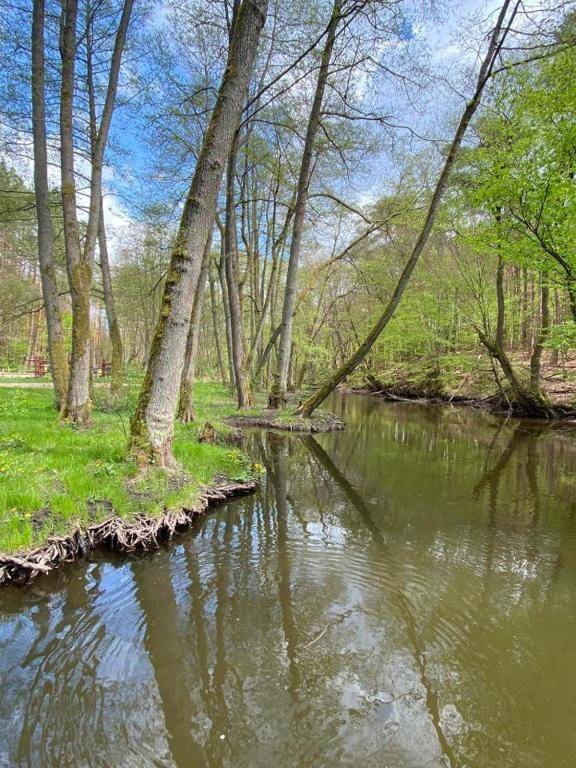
398 595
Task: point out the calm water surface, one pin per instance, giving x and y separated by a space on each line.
402 594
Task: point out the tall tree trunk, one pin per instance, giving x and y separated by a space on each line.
500 304
77 406
496 41
226 307
571 288
33 333
530 403
227 321
153 421
215 324
232 280
524 332
117 362
55 329
278 395
557 320
277 248
535 360
186 402
80 260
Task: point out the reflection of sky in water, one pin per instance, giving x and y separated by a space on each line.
401 594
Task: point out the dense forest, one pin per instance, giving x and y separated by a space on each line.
261 195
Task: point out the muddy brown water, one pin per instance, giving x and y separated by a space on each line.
401 594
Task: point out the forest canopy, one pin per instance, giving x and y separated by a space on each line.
263 193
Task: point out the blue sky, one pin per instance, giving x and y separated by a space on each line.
447 41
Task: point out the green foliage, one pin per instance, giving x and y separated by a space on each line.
562 337
521 175
513 196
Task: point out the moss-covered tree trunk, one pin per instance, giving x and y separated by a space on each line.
55 329
153 421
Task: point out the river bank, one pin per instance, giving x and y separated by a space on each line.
390 594
468 381
144 533
288 421
66 491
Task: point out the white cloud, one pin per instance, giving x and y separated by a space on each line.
115 215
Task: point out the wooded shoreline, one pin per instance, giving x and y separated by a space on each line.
494 403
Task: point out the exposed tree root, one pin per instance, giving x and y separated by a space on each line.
141 534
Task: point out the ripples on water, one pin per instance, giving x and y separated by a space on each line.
402 594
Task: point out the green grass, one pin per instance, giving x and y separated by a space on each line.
12 378
53 477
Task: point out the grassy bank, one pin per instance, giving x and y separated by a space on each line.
54 478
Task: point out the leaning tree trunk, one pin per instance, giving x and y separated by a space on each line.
278 395
56 346
186 402
98 140
153 421
117 362
496 41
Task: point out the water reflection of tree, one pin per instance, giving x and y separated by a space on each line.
493 472
211 685
275 460
398 598
168 658
63 673
525 506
